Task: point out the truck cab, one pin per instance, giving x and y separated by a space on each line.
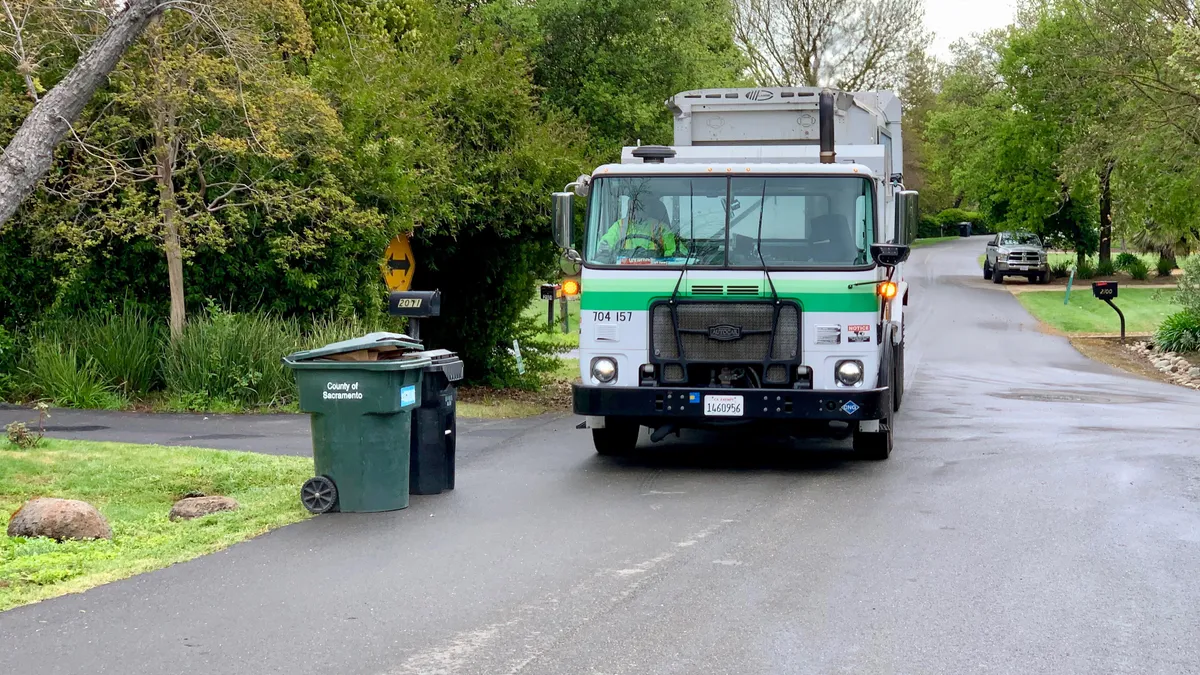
751 273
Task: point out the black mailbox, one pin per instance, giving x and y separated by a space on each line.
549 291
1105 290
415 304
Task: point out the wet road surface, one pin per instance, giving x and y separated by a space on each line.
1040 514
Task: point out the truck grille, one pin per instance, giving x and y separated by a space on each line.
749 330
1023 257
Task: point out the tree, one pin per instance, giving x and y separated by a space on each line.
922 78
206 111
30 152
448 141
850 45
612 63
1002 151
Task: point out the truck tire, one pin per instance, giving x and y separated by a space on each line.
987 271
618 437
898 378
997 277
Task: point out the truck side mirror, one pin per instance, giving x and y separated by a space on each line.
908 216
564 218
889 255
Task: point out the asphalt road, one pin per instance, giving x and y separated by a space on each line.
1041 514
277 434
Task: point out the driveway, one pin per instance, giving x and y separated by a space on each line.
1041 514
278 434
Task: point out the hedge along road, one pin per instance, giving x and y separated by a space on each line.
1041 514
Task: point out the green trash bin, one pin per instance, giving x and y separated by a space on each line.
361 416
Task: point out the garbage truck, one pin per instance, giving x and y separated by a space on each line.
750 274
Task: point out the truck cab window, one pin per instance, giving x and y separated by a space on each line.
805 221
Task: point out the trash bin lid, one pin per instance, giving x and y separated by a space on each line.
368 345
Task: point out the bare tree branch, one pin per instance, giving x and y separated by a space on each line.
30 153
852 45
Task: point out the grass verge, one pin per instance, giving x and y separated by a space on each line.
487 403
930 241
134 487
1144 310
555 336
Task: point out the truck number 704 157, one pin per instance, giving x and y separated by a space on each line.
607 317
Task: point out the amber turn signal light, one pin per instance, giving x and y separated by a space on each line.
570 287
887 290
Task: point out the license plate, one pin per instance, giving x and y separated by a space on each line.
723 406
1023 268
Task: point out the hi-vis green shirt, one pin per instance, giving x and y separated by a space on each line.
649 236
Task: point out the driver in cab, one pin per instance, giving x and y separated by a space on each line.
646 234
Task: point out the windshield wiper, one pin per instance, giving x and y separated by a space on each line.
691 240
762 208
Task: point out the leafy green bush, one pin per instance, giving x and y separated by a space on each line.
1164 267
1189 285
929 227
1085 271
1106 268
1124 260
57 371
232 358
1179 332
950 218
1139 270
1060 270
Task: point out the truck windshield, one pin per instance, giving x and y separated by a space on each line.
804 221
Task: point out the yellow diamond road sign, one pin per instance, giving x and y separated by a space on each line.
399 264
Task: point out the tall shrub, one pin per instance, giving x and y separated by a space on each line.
233 359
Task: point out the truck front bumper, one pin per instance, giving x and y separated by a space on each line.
1019 268
678 404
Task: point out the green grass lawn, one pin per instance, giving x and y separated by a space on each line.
930 241
134 487
1144 309
537 310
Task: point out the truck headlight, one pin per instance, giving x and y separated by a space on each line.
604 369
848 373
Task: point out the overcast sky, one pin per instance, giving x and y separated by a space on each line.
954 19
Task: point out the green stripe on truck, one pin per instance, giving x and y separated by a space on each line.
813 295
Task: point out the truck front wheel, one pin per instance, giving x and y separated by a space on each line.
618 437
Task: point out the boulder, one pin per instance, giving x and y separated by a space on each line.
196 507
1194 373
59 519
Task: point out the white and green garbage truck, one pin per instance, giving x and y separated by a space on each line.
752 273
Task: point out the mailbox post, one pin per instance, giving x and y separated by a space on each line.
549 293
1107 291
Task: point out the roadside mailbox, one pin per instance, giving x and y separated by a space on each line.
1107 291
549 293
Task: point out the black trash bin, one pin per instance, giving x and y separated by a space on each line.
431 467
964 229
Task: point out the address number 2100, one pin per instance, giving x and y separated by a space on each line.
609 317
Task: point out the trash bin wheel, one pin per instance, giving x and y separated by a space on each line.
319 495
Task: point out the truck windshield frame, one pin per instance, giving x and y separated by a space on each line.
667 221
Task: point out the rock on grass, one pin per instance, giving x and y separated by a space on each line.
59 519
196 507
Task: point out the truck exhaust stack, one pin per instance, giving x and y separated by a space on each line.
828 155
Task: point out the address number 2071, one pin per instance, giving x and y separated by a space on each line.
609 317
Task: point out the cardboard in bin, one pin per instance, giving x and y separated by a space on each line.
380 346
